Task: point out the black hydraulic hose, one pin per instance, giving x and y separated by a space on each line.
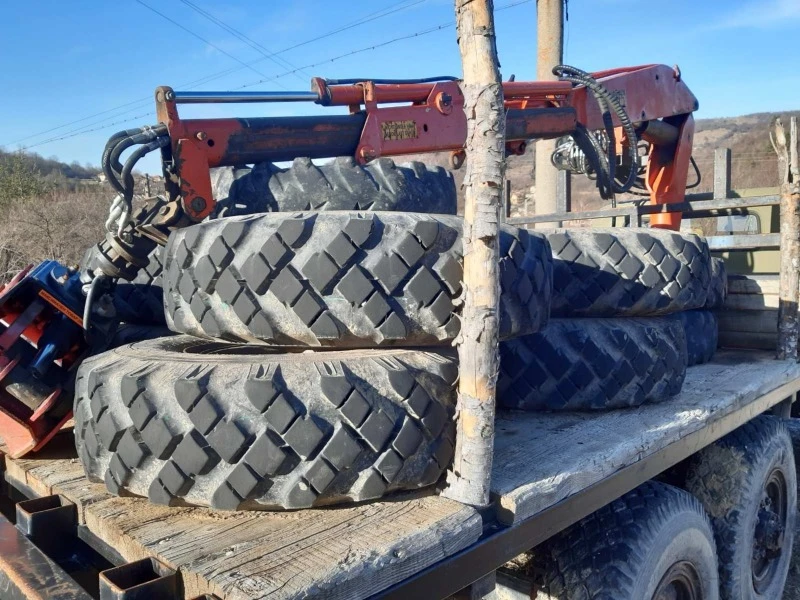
136 155
590 147
105 161
147 134
605 100
112 166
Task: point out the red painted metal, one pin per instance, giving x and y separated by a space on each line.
666 176
651 92
25 427
431 119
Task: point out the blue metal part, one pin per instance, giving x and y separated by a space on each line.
42 340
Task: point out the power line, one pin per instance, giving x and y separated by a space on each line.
67 136
282 63
440 27
369 17
433 29
199 37
385 12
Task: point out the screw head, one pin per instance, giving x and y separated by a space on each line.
202 136
367 153
170 95
198 204
444 103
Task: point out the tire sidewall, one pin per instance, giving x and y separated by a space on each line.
687 537
778 454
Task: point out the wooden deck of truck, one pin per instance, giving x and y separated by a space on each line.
550 471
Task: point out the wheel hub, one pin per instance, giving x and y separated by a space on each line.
680 582
770 529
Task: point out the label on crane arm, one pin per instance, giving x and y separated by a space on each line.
399 130
52 300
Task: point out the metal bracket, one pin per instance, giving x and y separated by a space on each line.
139 580
46 521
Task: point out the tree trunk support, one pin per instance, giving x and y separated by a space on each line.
788 150
469 481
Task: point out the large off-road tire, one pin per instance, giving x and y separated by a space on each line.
653 543
342 279
187 421
748 485
341 184
718 287
702 334
627 272
593 364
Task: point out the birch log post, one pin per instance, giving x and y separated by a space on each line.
469 480
789 168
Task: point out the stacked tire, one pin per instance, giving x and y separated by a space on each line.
314 365
631 313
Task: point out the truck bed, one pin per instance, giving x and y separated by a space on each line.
549 471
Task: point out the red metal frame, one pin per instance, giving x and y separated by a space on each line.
24 430
433 120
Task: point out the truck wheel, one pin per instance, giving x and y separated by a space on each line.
718 289
702 334
342 279
748 485
341 184
627 272
593 364
184 421
654 543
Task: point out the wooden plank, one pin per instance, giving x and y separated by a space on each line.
751 302
719 205
748 340
744 241
543 458
753 284
347 552
753 321
722 172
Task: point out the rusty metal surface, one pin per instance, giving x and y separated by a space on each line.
26 573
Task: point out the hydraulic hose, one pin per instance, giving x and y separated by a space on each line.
606 100
105 161
147 134
136 156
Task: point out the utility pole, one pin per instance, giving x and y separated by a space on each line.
469 480
550 52
788 149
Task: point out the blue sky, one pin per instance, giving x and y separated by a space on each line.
67 61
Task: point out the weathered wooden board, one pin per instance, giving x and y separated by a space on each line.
748 339
751 302
349 552
752 321
753 284
542 458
